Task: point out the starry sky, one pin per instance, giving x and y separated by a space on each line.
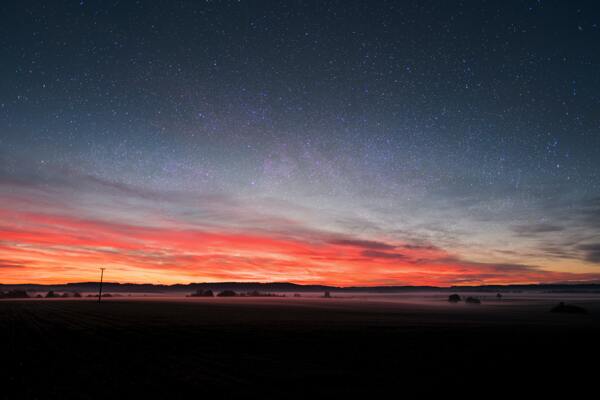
337 142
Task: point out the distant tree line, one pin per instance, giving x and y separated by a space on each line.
22 294
14 294
231 293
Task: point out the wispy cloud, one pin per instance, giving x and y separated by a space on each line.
64 233
365 244
536 229
591 251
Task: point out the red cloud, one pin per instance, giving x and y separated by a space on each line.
38 247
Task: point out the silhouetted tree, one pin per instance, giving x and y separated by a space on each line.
568 309
327 295
51 294
454 298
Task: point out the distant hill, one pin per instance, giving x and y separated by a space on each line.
288 287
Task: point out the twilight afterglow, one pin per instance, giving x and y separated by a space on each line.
380 144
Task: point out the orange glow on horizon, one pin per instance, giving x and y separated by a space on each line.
47 248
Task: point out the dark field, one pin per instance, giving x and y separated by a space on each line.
55 349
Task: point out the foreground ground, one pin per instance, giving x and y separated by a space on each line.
290 347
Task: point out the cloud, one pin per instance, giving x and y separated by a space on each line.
504 268
532 230
366 244
383 255
144 235
59 246
10 264
470 272
591 252
570 231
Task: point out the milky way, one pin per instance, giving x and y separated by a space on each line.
350 143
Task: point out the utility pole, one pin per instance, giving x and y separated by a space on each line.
101 278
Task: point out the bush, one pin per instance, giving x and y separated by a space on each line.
568 309
454 298
51 295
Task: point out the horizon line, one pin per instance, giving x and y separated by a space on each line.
597 283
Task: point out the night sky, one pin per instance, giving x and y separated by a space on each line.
348 143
